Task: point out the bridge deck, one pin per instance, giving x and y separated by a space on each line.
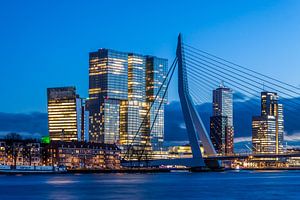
244 156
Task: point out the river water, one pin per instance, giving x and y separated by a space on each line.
213 185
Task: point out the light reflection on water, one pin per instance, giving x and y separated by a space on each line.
60 181
61 195
222 185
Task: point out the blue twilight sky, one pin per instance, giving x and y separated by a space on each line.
46 43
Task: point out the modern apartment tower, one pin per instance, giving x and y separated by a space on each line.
268 129
121 90
67 116
221 123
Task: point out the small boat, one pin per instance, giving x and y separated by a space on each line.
25 169
180 170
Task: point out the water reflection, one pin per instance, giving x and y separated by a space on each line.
62 195
228 185
61 180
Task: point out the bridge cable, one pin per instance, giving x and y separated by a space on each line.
287 106
159 108
245 68
247 78
151 105
226 74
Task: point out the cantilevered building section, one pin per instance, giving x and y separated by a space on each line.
268 129
66 115
121 89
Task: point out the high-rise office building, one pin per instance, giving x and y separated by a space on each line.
134 109
221 123
156 75
67 117
268 129
108 86
121 89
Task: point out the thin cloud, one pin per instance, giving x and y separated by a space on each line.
295 137
242 139
25 135
182 126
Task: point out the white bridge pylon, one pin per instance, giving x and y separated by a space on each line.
194 125
195 129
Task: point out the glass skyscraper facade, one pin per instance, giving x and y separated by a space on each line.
218 133
134 110
108 75
122 87
108 86
156 75
268 129
221 123
67 117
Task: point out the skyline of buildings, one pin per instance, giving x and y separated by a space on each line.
122 111
125 109
69 118
123 106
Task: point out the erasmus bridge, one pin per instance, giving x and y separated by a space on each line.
199 73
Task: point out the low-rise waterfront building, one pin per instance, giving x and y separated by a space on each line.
182 151
294 161
82 155
20 152
72 155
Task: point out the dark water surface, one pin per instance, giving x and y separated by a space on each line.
218 185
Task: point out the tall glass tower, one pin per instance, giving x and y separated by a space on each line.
108 86
122 87
135 107
221 123
156 74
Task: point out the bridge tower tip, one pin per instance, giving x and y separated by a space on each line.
179 37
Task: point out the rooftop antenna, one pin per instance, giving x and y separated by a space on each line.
221 84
